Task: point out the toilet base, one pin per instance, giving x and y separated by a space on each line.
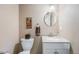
25 52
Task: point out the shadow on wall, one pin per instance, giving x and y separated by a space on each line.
18 48
71 50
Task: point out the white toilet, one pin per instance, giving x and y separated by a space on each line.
27 45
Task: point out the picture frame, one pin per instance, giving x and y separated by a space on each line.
28 22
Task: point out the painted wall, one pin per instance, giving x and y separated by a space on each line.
9 27
37 13
69 21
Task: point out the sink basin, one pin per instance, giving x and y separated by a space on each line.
53 39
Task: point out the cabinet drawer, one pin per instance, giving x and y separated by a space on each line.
56 46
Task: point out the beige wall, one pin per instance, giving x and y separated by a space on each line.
9 27
69 21
37 13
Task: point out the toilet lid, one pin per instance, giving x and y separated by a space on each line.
25 52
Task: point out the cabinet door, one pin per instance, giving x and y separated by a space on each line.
56 51
48 51
61 51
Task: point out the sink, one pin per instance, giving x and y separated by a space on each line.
53 39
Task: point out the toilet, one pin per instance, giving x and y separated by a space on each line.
26 45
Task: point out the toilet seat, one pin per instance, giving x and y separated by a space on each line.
25 52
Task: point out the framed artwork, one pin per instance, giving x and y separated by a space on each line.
28 22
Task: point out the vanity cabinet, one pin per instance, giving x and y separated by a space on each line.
55 47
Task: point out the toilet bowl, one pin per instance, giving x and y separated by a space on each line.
27 45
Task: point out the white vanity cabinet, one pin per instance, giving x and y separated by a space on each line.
54 45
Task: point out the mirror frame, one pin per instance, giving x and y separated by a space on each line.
51 18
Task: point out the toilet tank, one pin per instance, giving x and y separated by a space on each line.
27 43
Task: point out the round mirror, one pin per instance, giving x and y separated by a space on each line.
49 17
